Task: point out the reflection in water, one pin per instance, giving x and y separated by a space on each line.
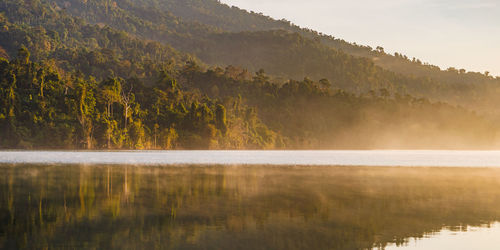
484 238
238 207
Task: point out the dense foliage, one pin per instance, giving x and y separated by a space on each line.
41 108
223 35
104 74
310 115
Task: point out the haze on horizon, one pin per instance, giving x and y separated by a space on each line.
447 33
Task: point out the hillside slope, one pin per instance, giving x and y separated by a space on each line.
233 19
124 75
216 34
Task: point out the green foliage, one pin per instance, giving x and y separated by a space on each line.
116 83
220 118
41 109
223 35
305 114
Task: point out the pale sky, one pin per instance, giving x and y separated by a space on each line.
446 33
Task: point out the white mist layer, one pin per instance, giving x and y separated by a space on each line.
339 158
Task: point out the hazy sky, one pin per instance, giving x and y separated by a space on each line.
447 33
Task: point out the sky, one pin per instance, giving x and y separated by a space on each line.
447 33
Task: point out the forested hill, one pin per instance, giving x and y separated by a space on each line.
148 74
221 35
233 19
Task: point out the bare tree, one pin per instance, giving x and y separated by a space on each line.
126 102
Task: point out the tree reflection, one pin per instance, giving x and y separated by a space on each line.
194 207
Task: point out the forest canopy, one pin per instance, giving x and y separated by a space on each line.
166 75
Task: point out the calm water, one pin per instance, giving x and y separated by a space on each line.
483 237
202 206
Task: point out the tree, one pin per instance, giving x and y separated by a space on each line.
190 68
85 105
325 84
380 49
220 118
111 90
126 99
166 82
261 77
23 56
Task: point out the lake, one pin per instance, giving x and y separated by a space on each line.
220 201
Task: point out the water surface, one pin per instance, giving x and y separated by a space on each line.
239 207
462 238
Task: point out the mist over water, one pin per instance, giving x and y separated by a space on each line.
406 158
165 75
240 207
